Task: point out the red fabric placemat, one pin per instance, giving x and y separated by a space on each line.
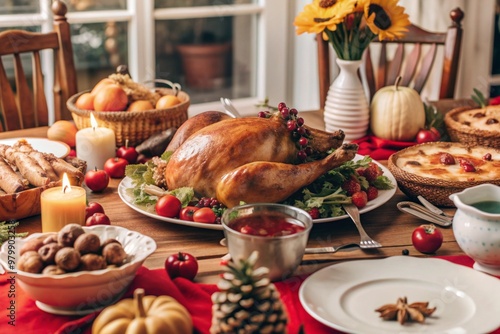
194 296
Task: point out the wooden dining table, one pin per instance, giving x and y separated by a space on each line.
386 224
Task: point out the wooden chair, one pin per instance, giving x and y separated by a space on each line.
25 107
417 66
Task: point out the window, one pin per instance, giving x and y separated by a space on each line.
156 37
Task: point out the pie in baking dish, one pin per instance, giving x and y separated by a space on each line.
487 119
451 161
474 126
438 169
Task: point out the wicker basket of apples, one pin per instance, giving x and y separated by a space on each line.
132 110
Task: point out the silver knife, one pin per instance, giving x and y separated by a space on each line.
424 213
431 206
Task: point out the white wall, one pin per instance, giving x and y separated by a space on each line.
477 44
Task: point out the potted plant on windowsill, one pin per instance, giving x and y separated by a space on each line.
205 59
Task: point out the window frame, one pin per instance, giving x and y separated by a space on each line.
272 78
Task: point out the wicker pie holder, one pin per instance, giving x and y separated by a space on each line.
436 191
136 126
464 134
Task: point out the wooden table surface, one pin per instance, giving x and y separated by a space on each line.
385 224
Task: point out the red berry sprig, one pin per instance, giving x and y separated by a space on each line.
295 125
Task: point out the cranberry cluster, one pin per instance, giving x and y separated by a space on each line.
295 125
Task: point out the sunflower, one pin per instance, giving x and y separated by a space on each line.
360 6
386 19
321 15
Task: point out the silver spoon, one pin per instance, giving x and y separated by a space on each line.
229 107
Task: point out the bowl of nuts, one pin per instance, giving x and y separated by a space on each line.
78 269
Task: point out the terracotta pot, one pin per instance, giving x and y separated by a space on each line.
204 65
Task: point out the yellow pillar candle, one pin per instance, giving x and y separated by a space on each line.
95 145
62 205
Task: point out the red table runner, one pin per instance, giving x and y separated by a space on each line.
378 148
194 296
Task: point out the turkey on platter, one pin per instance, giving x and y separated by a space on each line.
254 159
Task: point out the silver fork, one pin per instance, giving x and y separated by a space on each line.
331 249
366 241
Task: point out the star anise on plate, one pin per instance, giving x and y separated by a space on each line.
403 312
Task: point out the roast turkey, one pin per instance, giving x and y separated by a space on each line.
248 159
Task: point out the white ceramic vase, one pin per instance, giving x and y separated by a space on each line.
346 106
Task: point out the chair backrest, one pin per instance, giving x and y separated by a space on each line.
413 68
24 105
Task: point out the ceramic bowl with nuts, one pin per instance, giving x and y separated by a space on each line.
78 269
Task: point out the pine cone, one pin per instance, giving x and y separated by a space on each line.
247 301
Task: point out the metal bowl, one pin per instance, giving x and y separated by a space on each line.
280 254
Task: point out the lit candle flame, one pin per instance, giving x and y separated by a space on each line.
66 186
93 121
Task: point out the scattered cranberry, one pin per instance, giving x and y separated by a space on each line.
487 157
285 112
303 141
467 166
302 155
299 133
291 125
447 159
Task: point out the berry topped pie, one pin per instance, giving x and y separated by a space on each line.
474 126
438 169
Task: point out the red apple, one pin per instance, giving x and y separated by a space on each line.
93 207
424 136
98 218
115 167
128 153
96 179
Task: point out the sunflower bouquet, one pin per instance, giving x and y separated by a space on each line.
350 25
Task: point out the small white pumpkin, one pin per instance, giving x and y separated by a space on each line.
397 113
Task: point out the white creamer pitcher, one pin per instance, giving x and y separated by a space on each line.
476 225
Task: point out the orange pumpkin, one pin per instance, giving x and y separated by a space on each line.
64 131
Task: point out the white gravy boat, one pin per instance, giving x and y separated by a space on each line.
477 230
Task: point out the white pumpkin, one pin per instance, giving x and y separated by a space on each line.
397 113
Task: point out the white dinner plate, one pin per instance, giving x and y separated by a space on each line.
125 194
344 296
59 149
